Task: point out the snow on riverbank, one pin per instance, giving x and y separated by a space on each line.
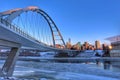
80 76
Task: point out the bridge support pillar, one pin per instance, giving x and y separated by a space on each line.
8 67
9 64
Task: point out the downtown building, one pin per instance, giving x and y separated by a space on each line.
115 43
97 45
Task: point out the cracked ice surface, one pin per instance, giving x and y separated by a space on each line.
65 71
29 70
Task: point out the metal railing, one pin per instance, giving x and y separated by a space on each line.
20 31
17 29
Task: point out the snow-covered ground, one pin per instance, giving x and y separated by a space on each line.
47 54
90 53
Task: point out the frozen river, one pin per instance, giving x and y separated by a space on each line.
35 70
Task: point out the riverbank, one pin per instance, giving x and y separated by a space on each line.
90 59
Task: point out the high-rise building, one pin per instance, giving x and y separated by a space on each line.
115 43
68 44
97 44
69 40
104 46
86 44
78 46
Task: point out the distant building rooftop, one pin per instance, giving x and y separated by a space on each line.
114 38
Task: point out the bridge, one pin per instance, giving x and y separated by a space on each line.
28 28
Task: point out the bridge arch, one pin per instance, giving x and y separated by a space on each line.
11 15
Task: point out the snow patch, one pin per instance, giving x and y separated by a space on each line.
76 76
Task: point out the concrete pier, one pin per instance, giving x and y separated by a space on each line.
8 67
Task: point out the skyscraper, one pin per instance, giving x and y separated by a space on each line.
68 44
97 44
86 44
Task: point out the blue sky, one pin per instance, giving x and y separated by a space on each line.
80 20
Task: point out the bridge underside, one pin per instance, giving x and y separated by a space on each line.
12 36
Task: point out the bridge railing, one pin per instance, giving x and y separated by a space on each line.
19 30
16 29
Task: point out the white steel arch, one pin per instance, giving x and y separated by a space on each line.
12 14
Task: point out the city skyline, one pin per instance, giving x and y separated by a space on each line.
79 20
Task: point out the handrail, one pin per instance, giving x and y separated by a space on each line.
16 29
20 31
